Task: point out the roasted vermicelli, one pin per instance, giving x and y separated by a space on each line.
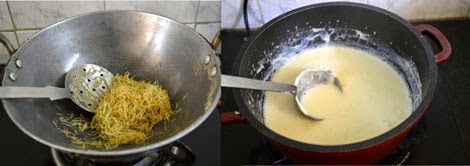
126 114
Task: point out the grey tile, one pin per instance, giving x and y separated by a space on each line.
208 30
425 9
39 14
25 35
182 11
3 52
209 11
232 14
273 8
5 21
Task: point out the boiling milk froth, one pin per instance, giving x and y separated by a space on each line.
374 99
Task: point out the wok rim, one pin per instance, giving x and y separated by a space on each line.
112 153
408 122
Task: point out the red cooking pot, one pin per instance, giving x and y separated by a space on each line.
346 24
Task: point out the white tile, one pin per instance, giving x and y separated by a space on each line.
25 35
190 25
425 9
182 11
5 21
232 14
39 14
273 8
208 30
209 11
3 52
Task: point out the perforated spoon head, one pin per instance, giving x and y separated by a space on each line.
88 83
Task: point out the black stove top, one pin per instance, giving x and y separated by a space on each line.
442 136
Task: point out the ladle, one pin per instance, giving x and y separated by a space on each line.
307 79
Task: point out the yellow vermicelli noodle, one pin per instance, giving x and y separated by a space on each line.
126 114
129 110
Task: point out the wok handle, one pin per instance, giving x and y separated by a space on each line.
246 83
231 117
216 40
435 34
7 44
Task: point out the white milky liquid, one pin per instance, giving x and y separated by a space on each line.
374 98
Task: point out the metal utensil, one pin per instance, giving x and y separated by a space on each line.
307 79
84 84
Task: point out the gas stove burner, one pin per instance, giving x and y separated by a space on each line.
175 154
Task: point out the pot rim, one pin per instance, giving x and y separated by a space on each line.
131 151
408 122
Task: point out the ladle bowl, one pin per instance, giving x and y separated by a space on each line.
306 80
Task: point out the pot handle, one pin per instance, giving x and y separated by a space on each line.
216 40
231 117
7 44
437 35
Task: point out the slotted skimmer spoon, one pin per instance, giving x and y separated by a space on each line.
307 79
84 84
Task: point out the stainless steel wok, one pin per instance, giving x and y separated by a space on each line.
151 47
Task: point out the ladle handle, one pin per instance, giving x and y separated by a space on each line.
53 93
246 83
